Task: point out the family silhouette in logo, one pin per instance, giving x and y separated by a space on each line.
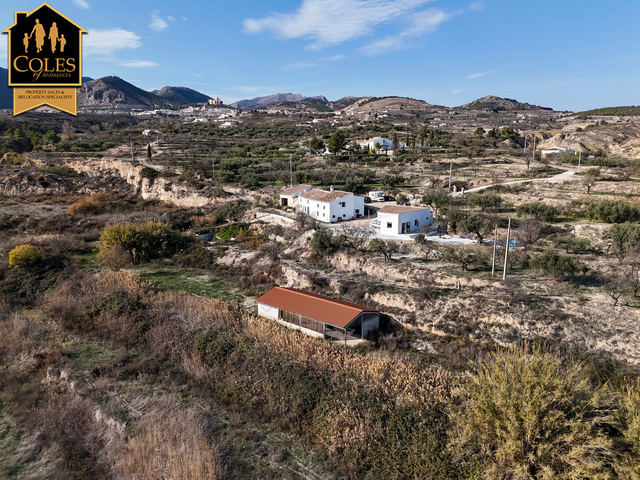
41 34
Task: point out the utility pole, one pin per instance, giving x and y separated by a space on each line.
579 159
533 152
506 251
524 152
450 172
132 159
495 245
213 170
291 169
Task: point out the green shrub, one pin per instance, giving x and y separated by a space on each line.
538 210
613 211
625 239
232 231
555 264
149 173
24 285
323 243
116 316
531 416
23 256
490 201
143 241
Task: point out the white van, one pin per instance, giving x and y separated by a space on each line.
376 196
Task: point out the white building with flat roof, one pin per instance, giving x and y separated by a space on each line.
331 205
398 219
559 149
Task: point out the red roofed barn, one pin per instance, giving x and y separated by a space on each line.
318 315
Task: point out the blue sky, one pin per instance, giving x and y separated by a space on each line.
563 54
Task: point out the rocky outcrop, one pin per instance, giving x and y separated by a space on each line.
614 139
150 189
407 275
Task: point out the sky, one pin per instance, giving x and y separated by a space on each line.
564 54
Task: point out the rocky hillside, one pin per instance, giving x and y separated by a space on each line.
181 95
113 93
498 104
390 106
273 99
620 139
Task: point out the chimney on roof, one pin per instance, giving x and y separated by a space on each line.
331 188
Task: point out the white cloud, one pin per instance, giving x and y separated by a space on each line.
158 23
299 66
103 43
321 62
386 44
456 91
419 24
330 22
139 64
426 21
81 3
480 74
334 58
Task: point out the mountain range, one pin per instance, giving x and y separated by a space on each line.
113 93
276 98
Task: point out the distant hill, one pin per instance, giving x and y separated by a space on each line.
272 99
115 93
498 104
614 111
181 95
344 102
396 106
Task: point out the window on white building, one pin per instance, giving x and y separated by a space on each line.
389 225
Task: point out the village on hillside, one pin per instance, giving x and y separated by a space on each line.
314 289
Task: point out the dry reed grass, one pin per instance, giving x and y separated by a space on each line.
397 375
169 442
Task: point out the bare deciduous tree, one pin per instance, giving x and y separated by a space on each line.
355 236
528 232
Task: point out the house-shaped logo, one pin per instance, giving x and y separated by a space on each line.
45 59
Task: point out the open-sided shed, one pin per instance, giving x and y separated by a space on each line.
318 315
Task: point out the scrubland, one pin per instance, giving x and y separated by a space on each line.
130 348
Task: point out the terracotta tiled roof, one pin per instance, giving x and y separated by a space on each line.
400 209
325 309
294 189
324 195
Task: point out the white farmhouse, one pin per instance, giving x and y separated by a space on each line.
560 149
397 219
378 144
289 196
331 206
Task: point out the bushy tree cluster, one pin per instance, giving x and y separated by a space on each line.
537 210
143 241
613 211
